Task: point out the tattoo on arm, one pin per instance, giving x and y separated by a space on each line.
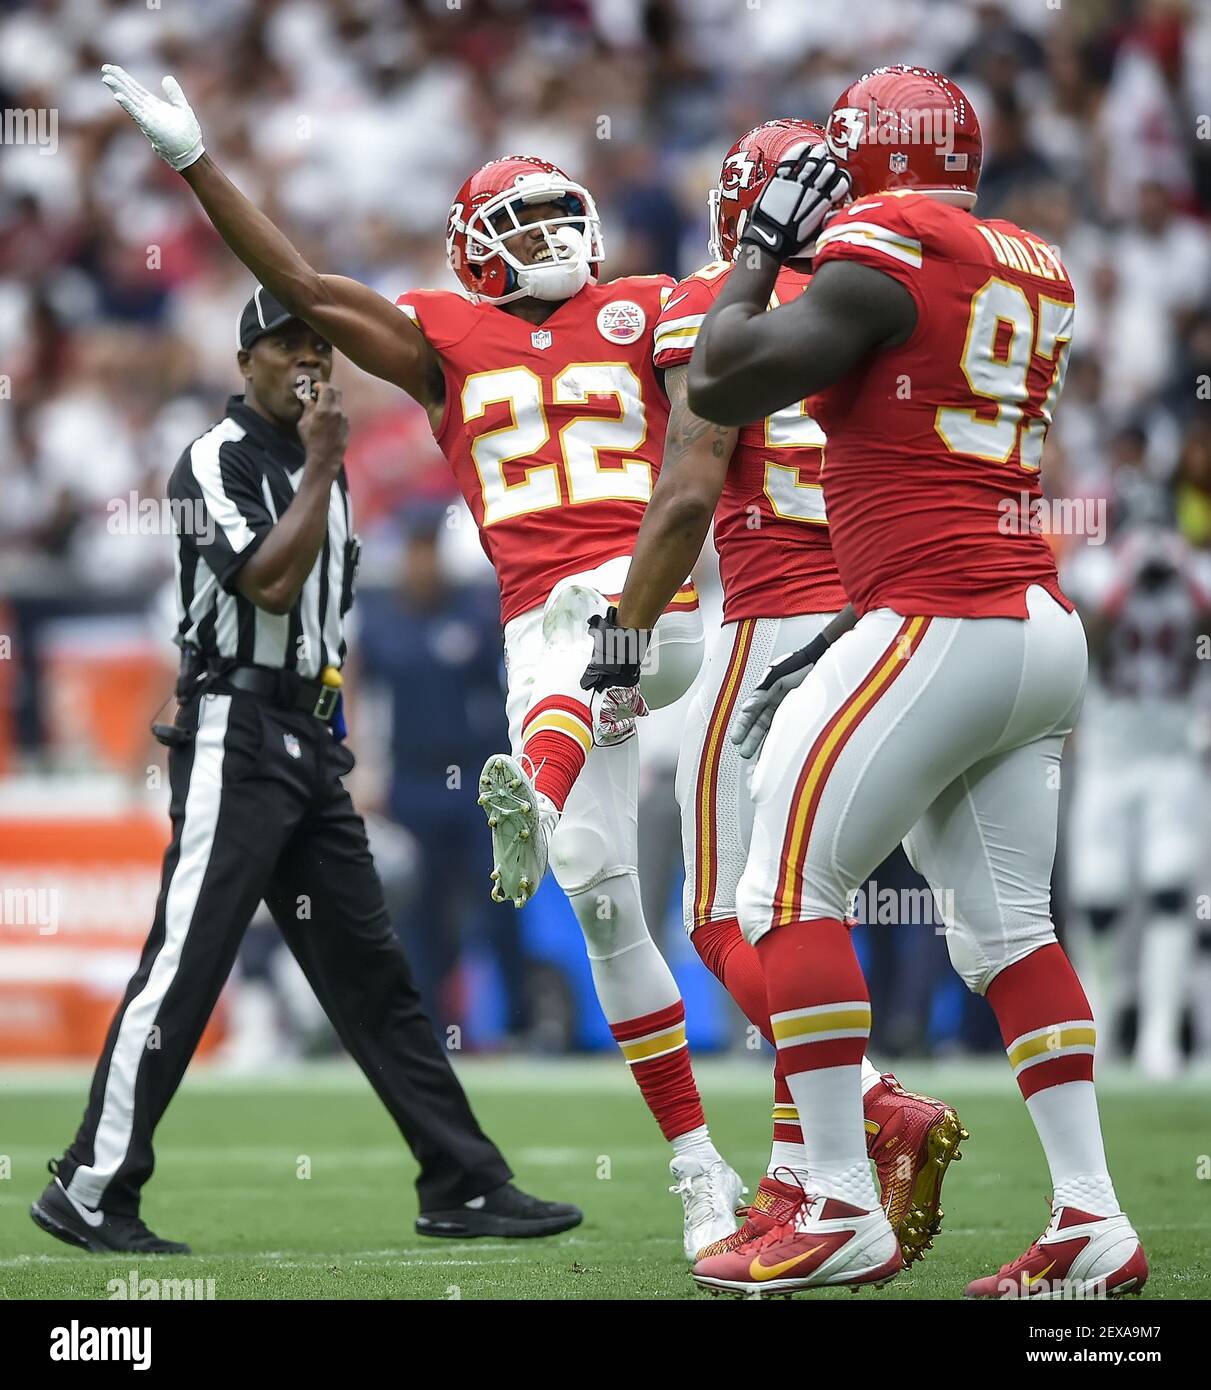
678 517
687 430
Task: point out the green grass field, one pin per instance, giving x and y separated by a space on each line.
230 1150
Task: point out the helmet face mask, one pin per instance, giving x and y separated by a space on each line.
487 216
747 168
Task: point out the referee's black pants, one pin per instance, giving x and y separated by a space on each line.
259 812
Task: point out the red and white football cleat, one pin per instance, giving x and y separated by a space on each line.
828 1242
1077 1256
774 1203
912 1140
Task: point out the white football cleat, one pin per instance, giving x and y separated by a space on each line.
522 821
709 1192
1079 1255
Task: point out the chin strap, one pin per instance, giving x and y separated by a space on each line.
554 282
559 279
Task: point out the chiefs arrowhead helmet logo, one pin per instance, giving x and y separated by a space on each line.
845 130
737 173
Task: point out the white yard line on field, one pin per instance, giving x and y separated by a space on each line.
386 1156
278 1259
581 1076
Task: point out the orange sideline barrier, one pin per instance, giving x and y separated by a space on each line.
77 896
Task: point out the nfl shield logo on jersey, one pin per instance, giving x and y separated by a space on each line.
292 745
541 339
621 321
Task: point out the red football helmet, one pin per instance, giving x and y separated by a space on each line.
484 216
905 127
747 167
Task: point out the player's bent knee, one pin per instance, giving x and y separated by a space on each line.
968 959
758 907
566 613
978 962
674 660
581 857
754 910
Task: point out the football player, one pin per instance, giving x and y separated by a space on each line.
1137 809
934 345
761 486
540 390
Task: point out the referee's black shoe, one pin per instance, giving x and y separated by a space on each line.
98 1231
506 1211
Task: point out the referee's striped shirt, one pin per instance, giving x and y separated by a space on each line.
228 490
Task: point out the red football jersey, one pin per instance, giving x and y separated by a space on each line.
934 448
555 433
771 531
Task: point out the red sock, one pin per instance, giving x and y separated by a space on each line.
557 734
655 1049
818 1003
1045 1020
737 967
787 1128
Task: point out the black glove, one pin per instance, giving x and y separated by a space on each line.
806 186
618 652
752 720
805 657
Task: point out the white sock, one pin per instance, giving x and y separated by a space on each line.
794 1156
1066 1119
829 1100
696 1143
786 1156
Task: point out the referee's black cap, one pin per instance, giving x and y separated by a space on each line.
262 314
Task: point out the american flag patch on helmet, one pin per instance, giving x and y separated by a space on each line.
956 163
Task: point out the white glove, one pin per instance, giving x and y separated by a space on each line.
170 125
806 186
751 722
614 713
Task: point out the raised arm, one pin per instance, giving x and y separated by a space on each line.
356 320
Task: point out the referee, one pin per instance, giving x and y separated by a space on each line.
267 556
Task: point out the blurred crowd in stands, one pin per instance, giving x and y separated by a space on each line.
352 122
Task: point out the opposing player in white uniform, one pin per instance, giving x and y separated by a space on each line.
1138 824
